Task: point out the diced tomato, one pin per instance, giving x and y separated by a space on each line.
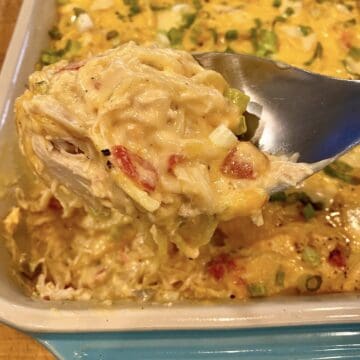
337 258
54 204
136 168
236 168
346 38
173 161
219 265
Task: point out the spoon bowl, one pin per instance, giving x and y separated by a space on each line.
313 115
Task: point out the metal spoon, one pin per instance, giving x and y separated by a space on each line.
302 112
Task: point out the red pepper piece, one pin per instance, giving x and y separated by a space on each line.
236 168
174 160
54 204
219 265
337 258
136 168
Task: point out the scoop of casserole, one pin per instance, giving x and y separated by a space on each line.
150 133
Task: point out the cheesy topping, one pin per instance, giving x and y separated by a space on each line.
146 131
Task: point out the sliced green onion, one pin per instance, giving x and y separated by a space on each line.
310 256
214 35
280 278
241 127
354 53
350 22
241 100
313 282
78 11
342 166
72 47
195 35
258 23
134 9
112 34
52 56
298 196
348 6
342 171
278 196
318 53
54 33
120 16
175 36
277 19
308 211
188 20
154 7
276 3
289 11
230 50
265 42
133 5
238 98
305 30
257 289
231 35
48 58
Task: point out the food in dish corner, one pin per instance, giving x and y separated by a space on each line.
309 240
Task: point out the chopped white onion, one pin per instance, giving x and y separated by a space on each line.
84 22
172 18
343 8
162 39
223 137
293 31
353 65
257 218
181 8
309 42
101 4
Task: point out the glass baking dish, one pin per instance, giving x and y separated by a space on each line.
29 38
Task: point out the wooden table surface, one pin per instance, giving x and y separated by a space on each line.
13 344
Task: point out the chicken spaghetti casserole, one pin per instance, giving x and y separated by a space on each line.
123 211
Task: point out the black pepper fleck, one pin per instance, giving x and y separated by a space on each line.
109 164
106 152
